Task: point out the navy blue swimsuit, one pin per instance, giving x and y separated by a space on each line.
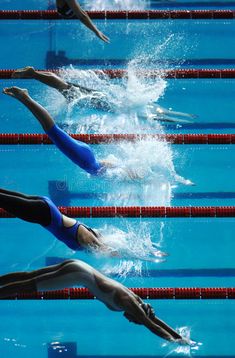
65 11
68 235
80 153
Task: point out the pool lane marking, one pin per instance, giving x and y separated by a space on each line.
184 138
143 212
122 15
193 73
197 293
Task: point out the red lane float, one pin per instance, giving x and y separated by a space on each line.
163 73
121 14
187 293
32 138
143 211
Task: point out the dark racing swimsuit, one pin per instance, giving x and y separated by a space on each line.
65 11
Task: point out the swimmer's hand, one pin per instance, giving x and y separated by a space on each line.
185 342
102 36
107 164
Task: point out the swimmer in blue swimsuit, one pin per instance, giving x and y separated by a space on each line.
79 152
41 210
69 9
113 294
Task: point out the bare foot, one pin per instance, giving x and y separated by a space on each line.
16 92
26 72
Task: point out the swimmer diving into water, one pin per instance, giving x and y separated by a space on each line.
112 293
70 9
76 235
41 210
98 99
70 91
79 152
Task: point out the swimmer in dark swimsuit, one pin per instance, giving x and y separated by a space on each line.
69 9
79 152
41 210
69 90
112 293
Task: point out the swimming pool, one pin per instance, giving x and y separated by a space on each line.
124 4
200 249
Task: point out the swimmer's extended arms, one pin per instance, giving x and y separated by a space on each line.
141 313
84 18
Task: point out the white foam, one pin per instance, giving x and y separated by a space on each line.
187 347
115 4
135 247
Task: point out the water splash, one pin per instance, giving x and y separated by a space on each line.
134 247
145 172
122 102
116 4
187 347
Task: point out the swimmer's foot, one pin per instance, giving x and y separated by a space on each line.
16 92
26 72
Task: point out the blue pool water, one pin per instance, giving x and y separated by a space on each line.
124 4
200 250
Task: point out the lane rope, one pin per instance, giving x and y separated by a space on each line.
122 14
33 138
163 73
145 293
142 211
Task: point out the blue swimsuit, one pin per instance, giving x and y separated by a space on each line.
79 152
68 235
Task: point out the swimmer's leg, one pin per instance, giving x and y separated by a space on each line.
50 278
15 193
48 78
38 111
32 210
22 276
80 153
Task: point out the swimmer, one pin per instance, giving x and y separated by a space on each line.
70 9
79 152
70 91
112 293
41 210
97 99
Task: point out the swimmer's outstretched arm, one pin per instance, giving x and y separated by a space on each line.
75 272
165 118
165 111
48 78
85 19
137 311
